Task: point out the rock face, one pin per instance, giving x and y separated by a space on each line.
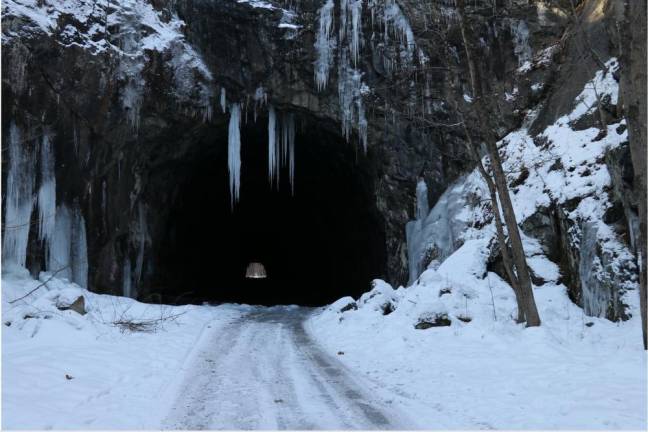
130 94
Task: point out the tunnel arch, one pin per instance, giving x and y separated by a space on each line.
324 241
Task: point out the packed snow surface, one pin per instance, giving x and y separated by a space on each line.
118 379
573 372
233 366
192 367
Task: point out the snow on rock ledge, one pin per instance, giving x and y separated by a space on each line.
561 190
127 29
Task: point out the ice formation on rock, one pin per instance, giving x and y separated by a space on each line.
413 231
324 45
522 48
58 255
396 32
46 192
19 199
127 283
79 249
281 146
273 168
223 99
142 235
234 152
67 254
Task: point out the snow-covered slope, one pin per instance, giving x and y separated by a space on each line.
448 347
573 372
118 378
560 174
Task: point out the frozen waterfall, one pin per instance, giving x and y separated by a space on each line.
46 192
19 200
67 254
414 231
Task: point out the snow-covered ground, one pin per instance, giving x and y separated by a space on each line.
353 369
578 370
573 372
119 379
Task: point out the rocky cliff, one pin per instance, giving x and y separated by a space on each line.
106 101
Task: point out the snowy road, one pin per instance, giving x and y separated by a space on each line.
262 371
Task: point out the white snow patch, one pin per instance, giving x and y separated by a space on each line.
118 379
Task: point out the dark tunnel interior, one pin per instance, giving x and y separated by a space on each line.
324 242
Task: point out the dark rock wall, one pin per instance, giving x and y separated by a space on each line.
114 153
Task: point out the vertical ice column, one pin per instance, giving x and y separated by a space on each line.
272 144
291 151
324 45
234 152
46 192
58 255
19 200
127 283
414 231
223 99
422 206
79 249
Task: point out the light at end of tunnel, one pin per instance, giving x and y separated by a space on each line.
255 270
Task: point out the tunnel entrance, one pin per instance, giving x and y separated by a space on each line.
323 242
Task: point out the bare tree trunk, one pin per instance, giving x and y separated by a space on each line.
633 86
522 272
501 238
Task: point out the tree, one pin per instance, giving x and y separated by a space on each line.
478 114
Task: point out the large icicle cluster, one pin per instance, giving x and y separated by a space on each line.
281 130
19 200
324 45
395 28
62 231
67 254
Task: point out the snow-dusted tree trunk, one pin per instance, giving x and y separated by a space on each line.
479 108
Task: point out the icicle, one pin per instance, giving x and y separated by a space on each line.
291 151
272 144
142 234
422 206
46 192
127 283
79 249
58 255
19 200
284 139
223 100
324 45
343 19
355 7
394 19
234 152
414 232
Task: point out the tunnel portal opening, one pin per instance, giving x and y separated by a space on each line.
322 242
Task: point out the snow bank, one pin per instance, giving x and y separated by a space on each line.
448 349
484 370
63 370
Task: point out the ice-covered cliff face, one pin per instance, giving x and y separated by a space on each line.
564 198
123 91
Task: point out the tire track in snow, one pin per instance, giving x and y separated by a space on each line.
263 371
